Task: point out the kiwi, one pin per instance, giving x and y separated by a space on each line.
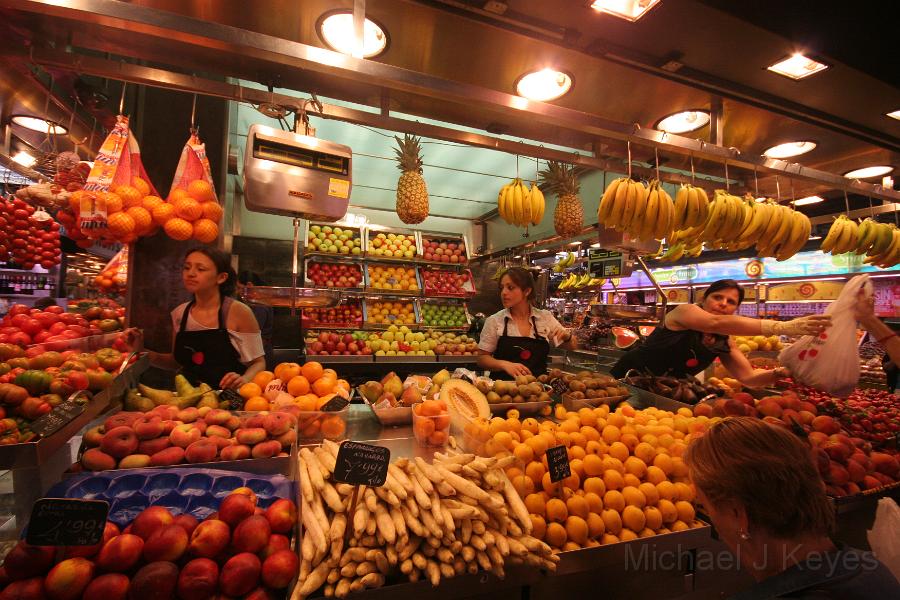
531 378
523 389
543 397
583 374
493 397
577 386
517 399
505 399
522 380
612 391
578 395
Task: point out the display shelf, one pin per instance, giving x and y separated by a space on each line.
465 284
405 359
426 303
356 233
331 263
461 249
370 269
456 358
386 320
328 358
383 239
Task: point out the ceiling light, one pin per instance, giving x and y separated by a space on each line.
630 10
24 159
867 172
336 30
761 199
797 67
894 114
544 85
790 149
809 200
684 122
575 244
815 237
38 124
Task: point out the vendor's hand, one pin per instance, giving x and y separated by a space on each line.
134 338
515 369
865 307
231 381
811 325
560 335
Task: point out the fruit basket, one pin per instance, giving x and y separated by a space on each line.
445 315
395 416
346 315
397 244
447 283
333 240
381 313
445 249
393 279
333 274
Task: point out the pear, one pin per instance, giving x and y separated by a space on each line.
371 390
410 396
440 378
393 384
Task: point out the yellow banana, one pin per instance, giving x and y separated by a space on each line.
608 201
526 204
673 253
618 208
702 206
834 233
666 222
538 204
647 222
681 206
692 216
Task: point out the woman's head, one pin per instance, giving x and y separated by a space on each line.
756 482
206 268
723 297
516 286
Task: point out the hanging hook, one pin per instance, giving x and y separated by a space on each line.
656 154
194 128
793 197
777 189
122 99
693 176
871 208
537 173
755 183
517 166
846 203
629 159
727 180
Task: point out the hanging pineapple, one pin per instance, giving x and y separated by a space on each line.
568 218
412 193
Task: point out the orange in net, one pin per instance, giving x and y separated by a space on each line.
178 229
201 191
113 202
75 201
163 212
187 208
177 194
143 222
151 202
142 186
205 231
212 211
131 196
120 224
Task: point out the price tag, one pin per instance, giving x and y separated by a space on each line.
57 418
67 522
234 400
558 463
362 464
335 404
559 385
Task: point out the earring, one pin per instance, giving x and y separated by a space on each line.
743 535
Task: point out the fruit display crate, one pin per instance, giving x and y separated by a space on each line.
370 305
426 306
310 318
383 241
865 500
449 244
457 358
444 282
328 273
372 270
341 359
323 231
643 398
406 358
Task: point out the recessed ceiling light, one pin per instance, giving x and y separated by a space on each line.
761 199
815 237
24 159
867 172
809 200
894 114
797 67
630 10
336 30
544 85
38 124
790 149
684 122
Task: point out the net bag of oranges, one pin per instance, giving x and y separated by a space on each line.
114 276
117 201
192 210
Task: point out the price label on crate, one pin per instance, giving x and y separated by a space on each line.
558 463
67 522
57 418
362 464
336 404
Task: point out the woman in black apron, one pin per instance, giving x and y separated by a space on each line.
509 356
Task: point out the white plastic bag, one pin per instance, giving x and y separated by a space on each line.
830 361
883 538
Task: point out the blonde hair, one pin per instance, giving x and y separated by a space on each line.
765 468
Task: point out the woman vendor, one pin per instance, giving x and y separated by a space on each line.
516 340
216 339
693 336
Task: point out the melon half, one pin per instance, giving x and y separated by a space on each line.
464 403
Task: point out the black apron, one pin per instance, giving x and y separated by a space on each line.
206 355
675 353
531 352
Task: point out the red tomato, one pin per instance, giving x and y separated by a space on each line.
34 351
47 319
41 337
19 319
56 310
68 318
20 339
78 330
57 328
68 334
32 327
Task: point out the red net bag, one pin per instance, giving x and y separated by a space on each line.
193 210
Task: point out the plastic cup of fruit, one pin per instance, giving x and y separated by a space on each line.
431 431
315 425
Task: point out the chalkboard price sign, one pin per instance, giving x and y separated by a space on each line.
335 404
362 464
67 522
235 401
558 463
56 418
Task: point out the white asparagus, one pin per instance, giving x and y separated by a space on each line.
466 531
325 459
412 523
332 498
313 528
517 507
399 523
388 496
412 506
421 496
371 528
400 476
334 575
315 580
436 510
391 556
313 468
306 488
434 573
307 547
385 524
447 570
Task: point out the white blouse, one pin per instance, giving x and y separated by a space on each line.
493 327
248 345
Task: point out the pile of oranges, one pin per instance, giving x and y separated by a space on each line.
190 213
628 479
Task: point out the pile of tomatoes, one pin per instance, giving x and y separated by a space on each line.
27 236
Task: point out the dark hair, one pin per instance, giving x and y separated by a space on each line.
222 262
44 302
725 284
246 277
523 280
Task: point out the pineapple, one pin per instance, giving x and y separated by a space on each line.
568 218
412 193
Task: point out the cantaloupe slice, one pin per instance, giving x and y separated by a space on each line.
464 402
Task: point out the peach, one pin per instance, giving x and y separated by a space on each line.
184 435
251 534
218 431
287 439
240 574
198 579
251 436
119 442
837 475
703 409
200 426
170 425
121 419
187 522
862 459
222 443
806 417
25 560
856 471
278 423
173 455
282 515
276 542
203 411
151 447
149 427
189 414
808 407
247 492
238 452
292 410
135 461
266 449
93 436
167 412
217 416
210 538
121 553
826 425
154 581
166 544
68 579
885 464
769 408
817 438
870 483
233 422
837 451
112 586
261 593
234 508
790 416
734 407
151 519
110 530
25 589
279 569
254 421
97 460
202 451
821 461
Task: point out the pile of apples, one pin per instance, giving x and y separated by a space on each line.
346 314
392 245
447 251
334 275
27 236
869 414
168 436
239 551
439 282
444 315
336 344
333 240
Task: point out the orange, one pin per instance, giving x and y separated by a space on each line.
654 517
596 526
423 428
535 470
114 203
594 485
307 402
344 384
201 191
593 465
205 231
177 194
151 202
312 370
438 438
556 510
578 506
298 386
131 196
142 186
263 378
333 427
143 221
288 370
256 402
523 485
595 504
577 529
212 211
538 526
178 229
75 201
188 209
320 402
535 504
324 385
612 520
613 499
249 390
634 497
685 511
162 213
613 480
332 372
650 493
556 535
120 224
627 535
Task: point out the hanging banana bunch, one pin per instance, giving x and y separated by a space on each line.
518 205
879 241
562 264
691 207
